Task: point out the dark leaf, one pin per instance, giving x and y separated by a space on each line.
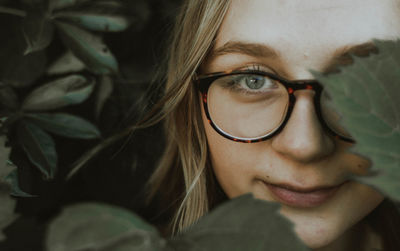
67 63
12 179
89 48
61 4
366 93
38 31
65 125
33 3
243 223
8 97
39 147
7 204
103 93
69 90
94 21
101 227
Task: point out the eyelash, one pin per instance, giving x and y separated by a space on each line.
254 67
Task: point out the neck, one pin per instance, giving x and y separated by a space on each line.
359 237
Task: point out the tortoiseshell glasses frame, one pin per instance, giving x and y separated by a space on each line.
203 83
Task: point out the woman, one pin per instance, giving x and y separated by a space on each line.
240 130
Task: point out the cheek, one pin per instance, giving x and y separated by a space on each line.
234 164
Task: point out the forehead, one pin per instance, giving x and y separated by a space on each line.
309 26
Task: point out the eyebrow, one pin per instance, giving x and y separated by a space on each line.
341 56
250 49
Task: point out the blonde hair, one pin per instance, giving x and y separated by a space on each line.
181 173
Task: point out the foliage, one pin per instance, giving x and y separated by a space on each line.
101 227
7 205
367 95
70 74
76 22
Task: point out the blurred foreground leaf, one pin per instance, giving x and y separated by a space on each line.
367 93
243 223
65 125
7 204
72 89
39 147
101 227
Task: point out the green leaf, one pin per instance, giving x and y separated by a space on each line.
366 93
103 93
101 227
67 63
89 48
8 97
69 90
243 223
65 125
7 204
38 31
12 179
39 147
94 21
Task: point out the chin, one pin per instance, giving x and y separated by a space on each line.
317 237
319 230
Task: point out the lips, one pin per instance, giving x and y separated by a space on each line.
298 197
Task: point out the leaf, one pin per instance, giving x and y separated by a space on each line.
94 21
39 147
7 204
89 48
93 226
366 93
38 31
69 90
243 223
103 93
66 64
12 179
61 4
8 97
65 125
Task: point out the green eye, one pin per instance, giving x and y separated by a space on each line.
255 82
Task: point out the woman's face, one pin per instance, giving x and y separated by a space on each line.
304 35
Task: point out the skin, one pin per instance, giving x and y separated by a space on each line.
305 34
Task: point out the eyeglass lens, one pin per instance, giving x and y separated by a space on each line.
253 106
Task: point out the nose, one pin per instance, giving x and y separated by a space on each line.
303 138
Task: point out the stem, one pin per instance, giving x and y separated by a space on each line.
15 12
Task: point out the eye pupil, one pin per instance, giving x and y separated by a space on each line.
255 82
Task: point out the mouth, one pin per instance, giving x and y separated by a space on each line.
302 197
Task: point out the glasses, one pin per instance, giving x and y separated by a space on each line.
252 106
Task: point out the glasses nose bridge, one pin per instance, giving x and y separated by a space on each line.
297 85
